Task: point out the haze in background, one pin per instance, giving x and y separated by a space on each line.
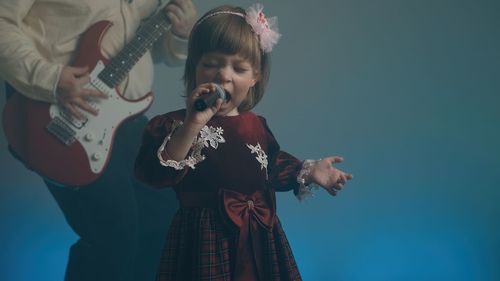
408 92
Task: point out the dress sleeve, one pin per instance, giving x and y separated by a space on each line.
283 167
148 167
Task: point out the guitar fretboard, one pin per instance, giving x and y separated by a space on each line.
144 39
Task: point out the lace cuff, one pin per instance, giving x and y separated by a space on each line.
190 161
305 189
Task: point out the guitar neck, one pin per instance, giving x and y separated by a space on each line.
146 36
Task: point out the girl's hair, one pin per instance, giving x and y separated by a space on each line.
229 34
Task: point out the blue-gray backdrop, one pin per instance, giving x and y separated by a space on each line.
407 91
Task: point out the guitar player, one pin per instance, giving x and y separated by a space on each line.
116 219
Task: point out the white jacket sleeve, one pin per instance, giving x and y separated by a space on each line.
21 64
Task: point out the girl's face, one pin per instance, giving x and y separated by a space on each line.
234 73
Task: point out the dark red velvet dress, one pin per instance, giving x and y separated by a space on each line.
226 227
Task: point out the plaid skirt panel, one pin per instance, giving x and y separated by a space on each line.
200 246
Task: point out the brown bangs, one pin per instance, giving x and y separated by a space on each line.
226 33
229 34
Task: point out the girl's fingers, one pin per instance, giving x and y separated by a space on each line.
345 176
216 106
338 185
342 178
218 103
332 191
201 90
334 159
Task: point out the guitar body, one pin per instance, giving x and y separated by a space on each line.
43 145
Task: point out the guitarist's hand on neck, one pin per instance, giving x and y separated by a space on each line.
72 95
182 15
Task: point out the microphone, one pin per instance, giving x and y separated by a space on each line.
209 99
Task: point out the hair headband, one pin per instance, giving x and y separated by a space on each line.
266 29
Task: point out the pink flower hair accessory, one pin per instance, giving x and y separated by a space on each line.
266 29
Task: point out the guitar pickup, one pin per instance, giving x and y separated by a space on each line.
62 131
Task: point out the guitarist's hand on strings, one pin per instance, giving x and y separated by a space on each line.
72 95
182 15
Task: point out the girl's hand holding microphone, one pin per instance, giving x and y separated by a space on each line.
203 103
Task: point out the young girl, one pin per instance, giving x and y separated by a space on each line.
224 162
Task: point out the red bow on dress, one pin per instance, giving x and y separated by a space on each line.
251 213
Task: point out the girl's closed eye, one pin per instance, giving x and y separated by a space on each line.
240 69
242 66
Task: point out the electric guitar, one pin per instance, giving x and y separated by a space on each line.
71 151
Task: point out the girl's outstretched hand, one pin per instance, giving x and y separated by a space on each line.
324 173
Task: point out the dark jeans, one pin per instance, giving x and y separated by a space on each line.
122 224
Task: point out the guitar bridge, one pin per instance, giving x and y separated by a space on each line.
62 131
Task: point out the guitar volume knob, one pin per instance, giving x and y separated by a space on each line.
89 137
96 156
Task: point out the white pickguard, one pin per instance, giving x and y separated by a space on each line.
96 133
